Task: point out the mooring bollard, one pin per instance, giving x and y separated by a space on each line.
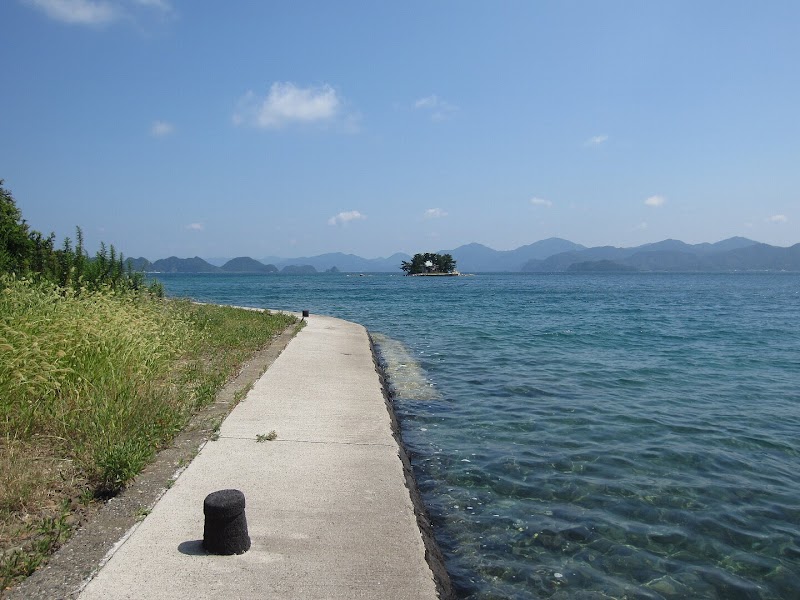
225 530
305 314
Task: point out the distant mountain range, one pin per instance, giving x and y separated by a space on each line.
545 256
733 254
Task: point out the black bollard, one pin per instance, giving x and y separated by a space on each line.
305 314
225 530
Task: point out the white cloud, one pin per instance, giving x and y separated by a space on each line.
96 12
161 128
641 226
655 201
343 218
162 5
778 219
439 109
195 226
596 140
287 103
541 202
428 102
82 12
435 213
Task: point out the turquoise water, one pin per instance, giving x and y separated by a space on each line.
586 436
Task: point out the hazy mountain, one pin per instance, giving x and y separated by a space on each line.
759 257
298 270
349 263
550 255
139 264
599 266
173 264
665 260
733 243
669 245
245 264
733 254
473 258
217 261
545 248
562 261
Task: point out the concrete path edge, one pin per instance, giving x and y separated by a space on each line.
433 554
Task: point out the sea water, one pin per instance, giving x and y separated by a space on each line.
586 435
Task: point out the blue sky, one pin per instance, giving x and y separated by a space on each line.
221 129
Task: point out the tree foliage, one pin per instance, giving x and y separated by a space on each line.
27 253
15 241
429 262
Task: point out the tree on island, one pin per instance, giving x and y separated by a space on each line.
429 263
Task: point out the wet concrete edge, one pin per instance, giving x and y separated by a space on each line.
433 554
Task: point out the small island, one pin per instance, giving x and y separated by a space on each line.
429 264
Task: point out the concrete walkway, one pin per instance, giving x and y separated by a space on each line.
328 511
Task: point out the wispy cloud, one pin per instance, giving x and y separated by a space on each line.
286 103
655 201
161 129
438 108
641 226
97 12
79 12
195 227
162 5
343 218
596 140
778 219
540 202
434 213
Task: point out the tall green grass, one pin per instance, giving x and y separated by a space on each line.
87 372
93 383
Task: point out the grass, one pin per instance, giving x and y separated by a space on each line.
92 385
267 437
43 536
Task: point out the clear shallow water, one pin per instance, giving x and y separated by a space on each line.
587 436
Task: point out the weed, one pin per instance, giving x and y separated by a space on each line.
93 384
40 539
239 395
215 430
267 437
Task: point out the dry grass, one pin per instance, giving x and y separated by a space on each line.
91 386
